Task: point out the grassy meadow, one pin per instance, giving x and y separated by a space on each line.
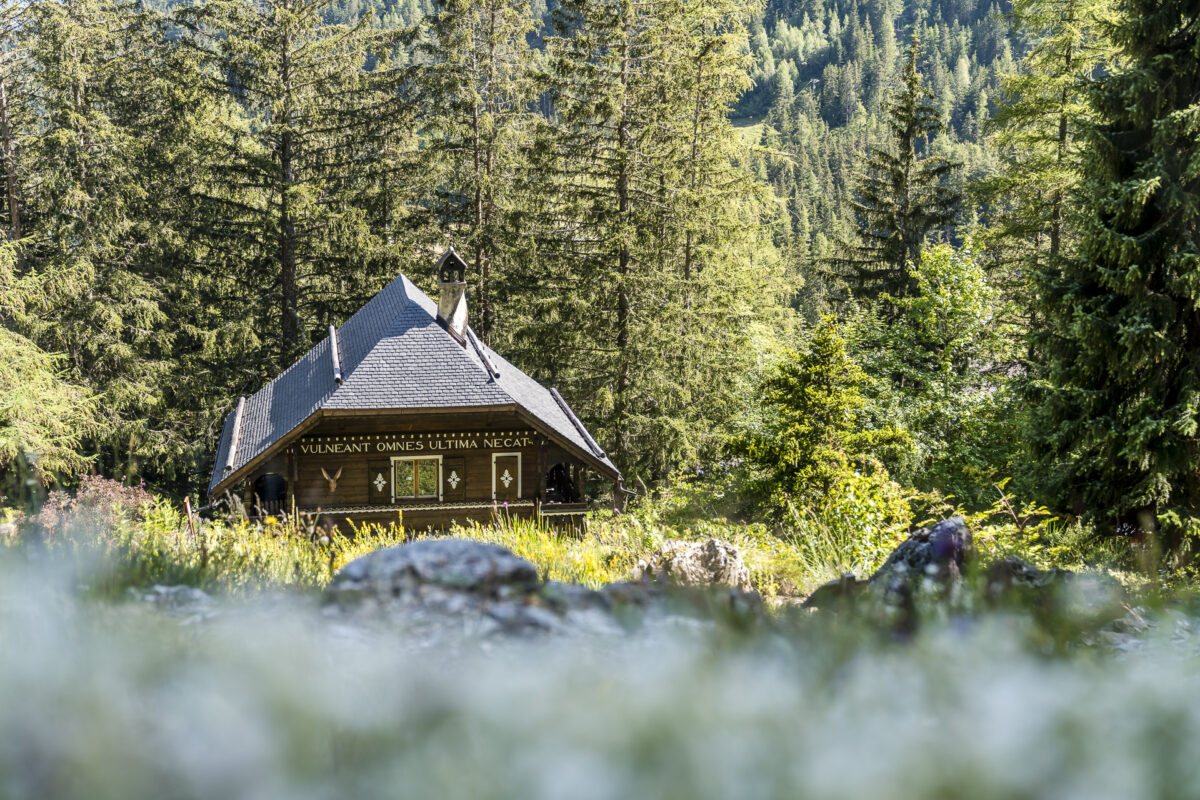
140 539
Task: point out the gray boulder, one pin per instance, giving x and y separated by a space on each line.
1012 575
939 552
927 572
187 602
710 563
440 589
458 564
931 558
1085 600
443 591
836 593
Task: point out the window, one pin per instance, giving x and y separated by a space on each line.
416 477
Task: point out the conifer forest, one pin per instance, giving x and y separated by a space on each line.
855 347
951 243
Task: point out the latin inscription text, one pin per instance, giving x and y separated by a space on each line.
438 442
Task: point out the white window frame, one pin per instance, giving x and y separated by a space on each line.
520 470
438 459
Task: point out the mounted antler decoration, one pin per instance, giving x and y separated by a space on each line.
333 479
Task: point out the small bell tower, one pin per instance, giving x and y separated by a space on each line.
452 294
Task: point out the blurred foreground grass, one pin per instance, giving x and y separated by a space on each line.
103 696
272 698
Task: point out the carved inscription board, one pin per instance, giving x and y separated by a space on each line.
387 443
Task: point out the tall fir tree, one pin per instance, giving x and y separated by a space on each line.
903 194
303 195
1119 395
711 76
814 425
648 293
608 107
476 73
43 419
15 117
91 282
1040 134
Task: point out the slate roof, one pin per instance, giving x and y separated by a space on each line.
394 354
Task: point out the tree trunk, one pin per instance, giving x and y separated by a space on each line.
289 329
477 165
622 402
689 239
1056 214
10 165
912 244
488 211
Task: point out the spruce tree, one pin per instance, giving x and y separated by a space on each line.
90 281
43 417
903 194
1039 131
814 424
606 99
476 78
650 270
780 117
303 191
1119 394
711 77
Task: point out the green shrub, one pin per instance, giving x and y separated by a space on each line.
814 424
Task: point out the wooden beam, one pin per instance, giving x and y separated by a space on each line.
540 492
292 478
235 435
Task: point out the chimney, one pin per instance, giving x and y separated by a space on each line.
452 294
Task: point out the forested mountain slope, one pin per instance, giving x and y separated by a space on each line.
822 74
821 70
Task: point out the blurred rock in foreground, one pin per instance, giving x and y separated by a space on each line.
463 586
938 570
436 588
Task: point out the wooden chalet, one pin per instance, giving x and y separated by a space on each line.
403 409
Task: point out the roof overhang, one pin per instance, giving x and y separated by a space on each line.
566 444
236 475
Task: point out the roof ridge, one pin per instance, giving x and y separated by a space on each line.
476 345
479 351
583 432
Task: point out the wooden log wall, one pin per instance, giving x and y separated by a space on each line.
335 467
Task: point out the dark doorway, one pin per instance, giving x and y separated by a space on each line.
270 493
560 485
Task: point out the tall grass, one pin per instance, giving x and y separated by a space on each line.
607 556
124 543
134 539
